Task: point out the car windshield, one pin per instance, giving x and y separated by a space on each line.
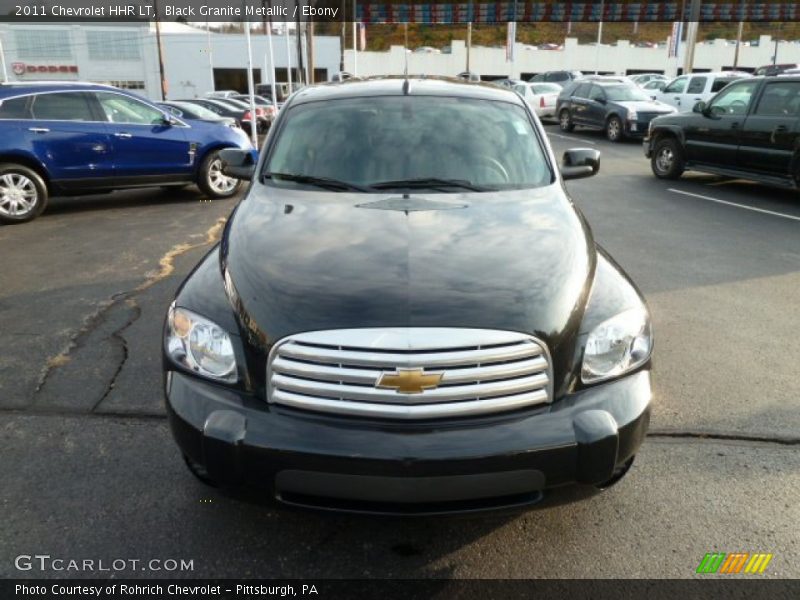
195 110
405 141
623 93
546 88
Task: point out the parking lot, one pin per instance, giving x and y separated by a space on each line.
89 466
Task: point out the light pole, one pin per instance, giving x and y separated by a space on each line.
250 86
599 37
160 53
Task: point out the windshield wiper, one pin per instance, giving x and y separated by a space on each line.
429 182
323 182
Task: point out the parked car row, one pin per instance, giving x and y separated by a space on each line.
78 138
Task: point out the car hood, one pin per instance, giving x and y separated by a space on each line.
299 260
646 106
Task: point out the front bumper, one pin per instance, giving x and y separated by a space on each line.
361 465
647 146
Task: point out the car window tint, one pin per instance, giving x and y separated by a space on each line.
15 108
676 87
734 99
779 99
376 139
582 91
546 88
696 85
66 106
719 84
123 109
596 93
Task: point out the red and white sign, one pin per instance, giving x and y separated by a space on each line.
20 69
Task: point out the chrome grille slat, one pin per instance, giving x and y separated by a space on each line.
482 371
505 387
370 377
413 411
386 360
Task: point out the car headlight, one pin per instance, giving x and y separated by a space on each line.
617 345
200 345
632 116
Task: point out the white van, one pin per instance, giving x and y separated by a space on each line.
687 90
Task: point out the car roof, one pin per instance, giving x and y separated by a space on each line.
397 86
8 90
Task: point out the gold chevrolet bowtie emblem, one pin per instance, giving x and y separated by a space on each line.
409 381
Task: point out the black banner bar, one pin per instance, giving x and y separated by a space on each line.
748 587
397 11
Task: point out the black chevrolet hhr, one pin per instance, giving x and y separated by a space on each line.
407 313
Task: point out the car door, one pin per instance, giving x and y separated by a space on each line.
712 137
673 92
579 103
694 93
67 134
595 114
769 135
147 149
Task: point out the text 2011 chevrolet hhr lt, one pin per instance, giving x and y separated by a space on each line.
407 314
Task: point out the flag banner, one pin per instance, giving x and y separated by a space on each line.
675 39
511 39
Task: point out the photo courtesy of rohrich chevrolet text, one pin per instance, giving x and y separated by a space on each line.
399 299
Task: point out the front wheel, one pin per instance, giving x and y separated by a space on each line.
667 161
614 129
565 121
23 194
212 181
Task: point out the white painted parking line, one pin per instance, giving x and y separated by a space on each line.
737 205
576 139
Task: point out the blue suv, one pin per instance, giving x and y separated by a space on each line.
67 139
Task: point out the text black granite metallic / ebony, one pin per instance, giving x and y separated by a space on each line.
407 314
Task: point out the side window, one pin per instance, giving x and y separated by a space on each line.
734 99
124 109
520 89
719 84
15 108
676 87
583 90
696 85
175 111
779 99
597 94
62 106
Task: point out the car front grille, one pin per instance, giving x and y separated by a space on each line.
646 117
409 373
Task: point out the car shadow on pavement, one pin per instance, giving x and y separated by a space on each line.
123 199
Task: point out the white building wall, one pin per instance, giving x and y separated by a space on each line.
582 57
186 57
188 69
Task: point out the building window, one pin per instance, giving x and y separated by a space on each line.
125 84
111 45
42 44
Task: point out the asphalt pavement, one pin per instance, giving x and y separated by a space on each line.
89 469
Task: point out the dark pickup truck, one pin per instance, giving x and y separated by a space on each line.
749 130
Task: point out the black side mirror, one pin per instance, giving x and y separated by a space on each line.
237 163
700 107
578 163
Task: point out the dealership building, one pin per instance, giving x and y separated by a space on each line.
126 55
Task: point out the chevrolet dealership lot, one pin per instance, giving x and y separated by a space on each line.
90 471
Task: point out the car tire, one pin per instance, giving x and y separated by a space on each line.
614 129
565 121
211 180
23 194
667 161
